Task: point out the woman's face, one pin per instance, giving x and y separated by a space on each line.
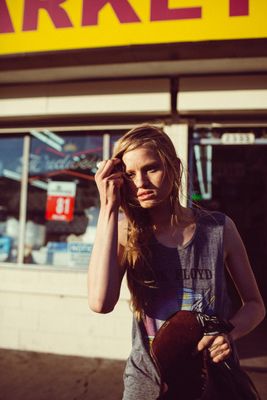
148 181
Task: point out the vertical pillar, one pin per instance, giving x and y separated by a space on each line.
106 146
178 133
23 198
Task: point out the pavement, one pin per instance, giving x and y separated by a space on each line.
252 350
39 376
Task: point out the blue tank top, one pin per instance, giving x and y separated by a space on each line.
191 277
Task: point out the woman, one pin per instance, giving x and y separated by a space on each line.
174 256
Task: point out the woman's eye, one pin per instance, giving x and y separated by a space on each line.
129 175
152 170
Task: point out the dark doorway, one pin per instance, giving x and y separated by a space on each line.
239 189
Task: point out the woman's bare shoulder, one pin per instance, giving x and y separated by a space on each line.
230 230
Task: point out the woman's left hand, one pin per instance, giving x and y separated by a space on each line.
219 346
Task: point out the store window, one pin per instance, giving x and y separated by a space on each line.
49 202
62 205
11 150
113 140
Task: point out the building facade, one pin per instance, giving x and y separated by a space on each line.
73 79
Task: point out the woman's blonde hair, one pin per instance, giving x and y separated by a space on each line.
137 255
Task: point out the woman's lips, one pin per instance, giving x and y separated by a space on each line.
145 195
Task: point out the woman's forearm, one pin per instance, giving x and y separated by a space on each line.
247 318
252 310
104 274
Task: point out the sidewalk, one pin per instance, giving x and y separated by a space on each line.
37 376
252 351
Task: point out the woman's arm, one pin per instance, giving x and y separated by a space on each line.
252 310
105 273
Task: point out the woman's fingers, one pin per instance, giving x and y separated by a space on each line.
205 342
106 167
109 180
219 350
100 164
219 346
108 173
220 355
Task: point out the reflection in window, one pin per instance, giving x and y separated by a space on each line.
11 149
113 140
63 200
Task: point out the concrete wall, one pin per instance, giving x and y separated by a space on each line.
47 311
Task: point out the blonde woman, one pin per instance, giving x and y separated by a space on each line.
174 257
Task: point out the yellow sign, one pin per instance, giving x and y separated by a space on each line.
47 25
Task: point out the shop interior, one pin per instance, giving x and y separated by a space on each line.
52 213
232 178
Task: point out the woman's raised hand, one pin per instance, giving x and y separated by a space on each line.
109 179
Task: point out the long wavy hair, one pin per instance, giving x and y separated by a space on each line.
137 255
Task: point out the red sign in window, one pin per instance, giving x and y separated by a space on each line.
60 201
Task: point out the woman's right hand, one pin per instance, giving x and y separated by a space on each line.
109 180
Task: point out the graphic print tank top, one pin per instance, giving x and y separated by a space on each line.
187 278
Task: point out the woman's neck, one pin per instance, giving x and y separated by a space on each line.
175 231
161 215
162 218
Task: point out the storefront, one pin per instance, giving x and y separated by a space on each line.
72 81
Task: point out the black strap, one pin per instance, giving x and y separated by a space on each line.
212 325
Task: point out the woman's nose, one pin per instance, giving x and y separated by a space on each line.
140 180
